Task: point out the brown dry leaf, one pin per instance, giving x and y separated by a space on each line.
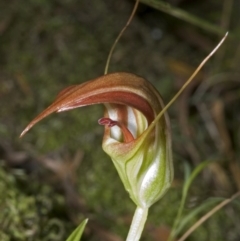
196 39
65 169
209 123
235 169
161 233
4 24
12 157
65 176
226 148
185 127
219 118
104 234
183 71
220 177
23 84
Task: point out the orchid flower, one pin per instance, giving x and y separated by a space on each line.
137 133
141 155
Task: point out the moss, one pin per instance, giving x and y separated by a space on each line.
27 211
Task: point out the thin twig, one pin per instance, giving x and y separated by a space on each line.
208 215
119 36
150 128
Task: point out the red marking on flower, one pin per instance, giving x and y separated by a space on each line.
127 135
117 88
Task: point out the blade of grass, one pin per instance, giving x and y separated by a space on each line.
208 215
183 15
77 233
187 171
186 186
184 221
152 125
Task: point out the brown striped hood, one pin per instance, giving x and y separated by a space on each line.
142 155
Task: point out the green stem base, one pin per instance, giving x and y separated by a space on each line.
137 225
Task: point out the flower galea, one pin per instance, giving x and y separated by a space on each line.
141 155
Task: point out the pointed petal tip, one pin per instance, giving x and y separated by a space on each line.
25 131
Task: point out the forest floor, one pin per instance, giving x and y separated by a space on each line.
57 175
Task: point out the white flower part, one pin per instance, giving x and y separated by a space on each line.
116 132
132 122
137 122
151 175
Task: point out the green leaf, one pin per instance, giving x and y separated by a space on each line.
185 220
77 233
188 181
193 175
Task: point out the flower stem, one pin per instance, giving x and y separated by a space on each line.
137 225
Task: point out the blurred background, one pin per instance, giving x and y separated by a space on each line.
57 174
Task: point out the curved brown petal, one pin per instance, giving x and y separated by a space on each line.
118 88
